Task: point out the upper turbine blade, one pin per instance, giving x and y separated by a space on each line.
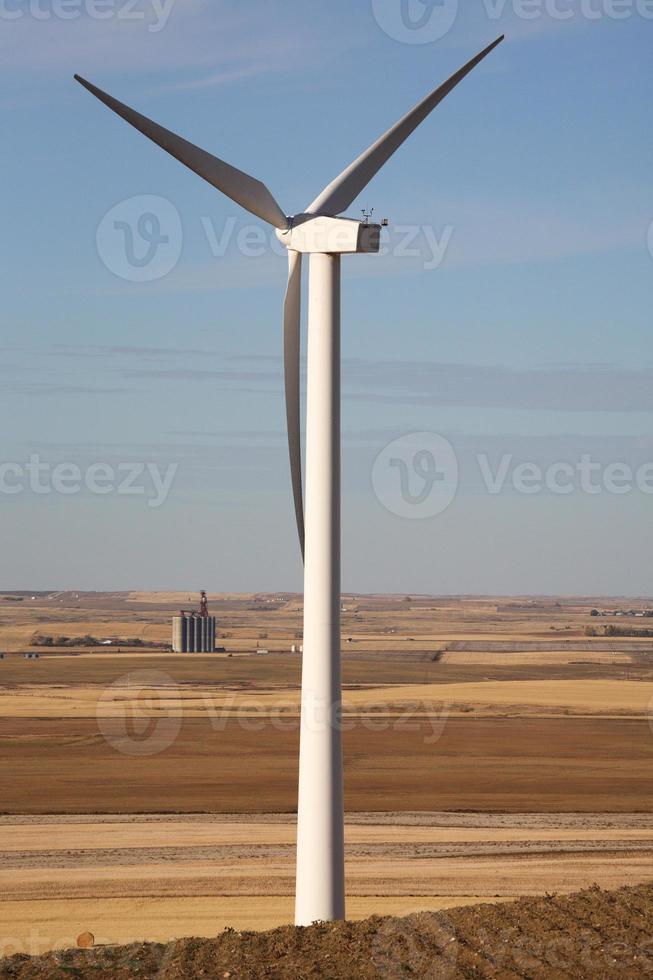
291 350
337 197
250 193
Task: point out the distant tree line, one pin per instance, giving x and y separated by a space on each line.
42 640
613 630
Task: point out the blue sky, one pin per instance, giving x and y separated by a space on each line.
511 314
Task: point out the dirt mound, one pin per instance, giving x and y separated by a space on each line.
592 933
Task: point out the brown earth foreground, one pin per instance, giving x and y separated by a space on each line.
592 933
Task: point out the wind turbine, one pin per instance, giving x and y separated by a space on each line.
320 233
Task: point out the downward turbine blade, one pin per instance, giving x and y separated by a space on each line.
250 193
291 350
337 197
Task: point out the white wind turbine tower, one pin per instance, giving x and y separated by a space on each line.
320 893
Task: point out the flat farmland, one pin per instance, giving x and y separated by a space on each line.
493 748
490 764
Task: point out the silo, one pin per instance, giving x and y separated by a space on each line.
194 632
188 639
185 633
176 634
191 635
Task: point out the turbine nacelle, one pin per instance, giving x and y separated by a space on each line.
321 233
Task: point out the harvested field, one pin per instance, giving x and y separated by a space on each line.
605 696
536 658
153 694
284 670
513 764
589 934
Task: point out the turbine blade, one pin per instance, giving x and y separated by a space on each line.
291 349
340 193
250 193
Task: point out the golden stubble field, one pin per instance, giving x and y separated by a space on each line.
492 749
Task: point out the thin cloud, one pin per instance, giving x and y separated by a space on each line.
599 388
146 353
46 389
204 374
571 388
214 40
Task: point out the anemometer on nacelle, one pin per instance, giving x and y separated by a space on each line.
367 217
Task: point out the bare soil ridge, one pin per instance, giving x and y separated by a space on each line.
593 933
